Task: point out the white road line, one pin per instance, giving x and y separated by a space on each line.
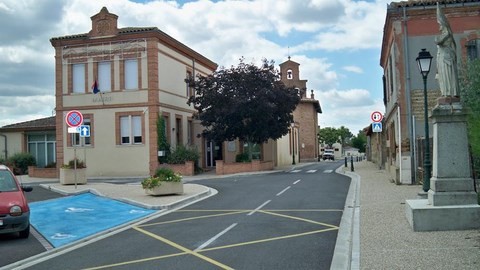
258 208
296 182
328 171
311 171
204 245
41 239
295 171
281 192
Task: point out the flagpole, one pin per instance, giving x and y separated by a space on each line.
101 96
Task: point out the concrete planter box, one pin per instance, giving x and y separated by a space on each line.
67 176
166 188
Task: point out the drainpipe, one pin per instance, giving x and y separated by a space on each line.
408 99
6 151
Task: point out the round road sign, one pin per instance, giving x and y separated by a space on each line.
74 118
377 117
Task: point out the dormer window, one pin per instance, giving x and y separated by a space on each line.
289 74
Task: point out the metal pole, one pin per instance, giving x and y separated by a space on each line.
351 163
346 162
427 164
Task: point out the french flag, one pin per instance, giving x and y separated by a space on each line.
95 87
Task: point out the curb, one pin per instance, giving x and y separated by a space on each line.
347 248
163 210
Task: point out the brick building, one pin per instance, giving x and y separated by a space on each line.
140 74
305 116
409 27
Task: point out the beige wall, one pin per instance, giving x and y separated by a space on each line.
284 156
14 143
105 157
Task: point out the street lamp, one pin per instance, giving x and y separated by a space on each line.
424 61
293 142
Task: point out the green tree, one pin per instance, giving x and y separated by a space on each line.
345 135
328 135
359 141
246 102
162 144
470 96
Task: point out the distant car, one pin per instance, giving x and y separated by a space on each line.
14 210
328 154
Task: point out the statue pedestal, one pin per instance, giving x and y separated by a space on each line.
452 203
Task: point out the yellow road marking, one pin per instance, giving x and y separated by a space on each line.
196 253
136 261
297 218
184 249
268 239
192 218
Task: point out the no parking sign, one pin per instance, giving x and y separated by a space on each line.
74 118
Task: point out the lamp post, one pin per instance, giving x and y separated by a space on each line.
293 142
424 61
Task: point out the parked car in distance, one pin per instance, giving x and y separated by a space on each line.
14 210
328 154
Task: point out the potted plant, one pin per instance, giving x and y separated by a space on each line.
69 175
164 181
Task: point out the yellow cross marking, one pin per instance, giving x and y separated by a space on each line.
186 251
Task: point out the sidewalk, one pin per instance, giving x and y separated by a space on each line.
388 242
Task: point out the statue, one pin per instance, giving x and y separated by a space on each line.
446 58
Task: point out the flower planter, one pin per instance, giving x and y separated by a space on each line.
166 188
67 176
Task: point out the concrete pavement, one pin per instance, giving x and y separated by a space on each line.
386 240
374 232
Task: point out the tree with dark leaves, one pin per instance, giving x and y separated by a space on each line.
246 102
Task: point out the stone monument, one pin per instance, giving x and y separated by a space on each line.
452 203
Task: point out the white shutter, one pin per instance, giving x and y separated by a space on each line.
137 129
131 74
125 129
104 76
78 78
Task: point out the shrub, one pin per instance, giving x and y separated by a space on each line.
71 164
243 157
161 175
182 154
21 161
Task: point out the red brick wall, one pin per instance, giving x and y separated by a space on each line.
184 169
42 172
238 167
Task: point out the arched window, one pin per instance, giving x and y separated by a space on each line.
289 74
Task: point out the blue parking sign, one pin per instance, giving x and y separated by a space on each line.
377 127
84 131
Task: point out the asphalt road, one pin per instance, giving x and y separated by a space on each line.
12 248
285 220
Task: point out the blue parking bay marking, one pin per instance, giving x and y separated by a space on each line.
65 220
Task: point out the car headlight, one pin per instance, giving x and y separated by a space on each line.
15 210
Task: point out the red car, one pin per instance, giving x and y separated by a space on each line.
14 210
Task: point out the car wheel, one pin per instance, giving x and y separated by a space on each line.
25 233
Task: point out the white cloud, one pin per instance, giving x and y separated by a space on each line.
353 69
223 31
352 106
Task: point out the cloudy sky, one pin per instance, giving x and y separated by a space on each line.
336 42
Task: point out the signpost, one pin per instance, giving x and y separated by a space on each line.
84 131
377 117
377 127
74 120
